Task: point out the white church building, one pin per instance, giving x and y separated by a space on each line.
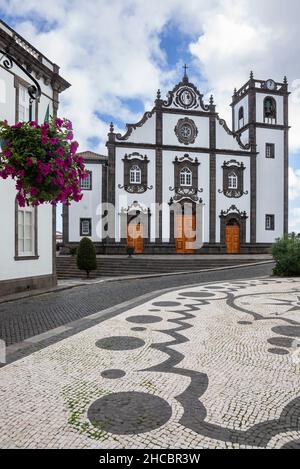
181 181
27 241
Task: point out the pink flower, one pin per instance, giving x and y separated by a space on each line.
21 173
19 185
60 151
18 125
29 162
4 174
70 136
73 147
53 141
33 124
59 122
68 125
21 200
34 191
44 140
44 168
7 153
39 179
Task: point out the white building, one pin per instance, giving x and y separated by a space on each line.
27 241
225 189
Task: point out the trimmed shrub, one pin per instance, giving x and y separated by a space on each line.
286 253
86 256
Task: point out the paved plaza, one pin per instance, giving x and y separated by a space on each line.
213 365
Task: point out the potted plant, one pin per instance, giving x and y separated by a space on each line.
86 256
42 160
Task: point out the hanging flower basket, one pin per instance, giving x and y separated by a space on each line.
42 160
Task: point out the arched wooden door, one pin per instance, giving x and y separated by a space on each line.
232 237
185 233
135 237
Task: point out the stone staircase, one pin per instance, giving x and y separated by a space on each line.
118 266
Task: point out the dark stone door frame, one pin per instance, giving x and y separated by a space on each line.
240 218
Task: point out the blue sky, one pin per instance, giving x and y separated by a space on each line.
117 54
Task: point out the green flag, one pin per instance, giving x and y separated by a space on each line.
47 115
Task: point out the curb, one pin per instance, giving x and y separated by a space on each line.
129 277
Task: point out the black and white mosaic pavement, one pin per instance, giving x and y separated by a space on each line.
211 366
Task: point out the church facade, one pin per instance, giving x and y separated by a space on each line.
180 180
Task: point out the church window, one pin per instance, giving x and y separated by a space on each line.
270 110
270 150
25 105
232 181
85 227
135 175
26 231
86 183
185 177
270 222
241 117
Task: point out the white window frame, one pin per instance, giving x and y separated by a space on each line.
232 181
270 150
86 183
24 104
269 219
89 223
26 232
185 177
135 175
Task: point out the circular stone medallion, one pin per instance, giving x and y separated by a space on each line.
144 319
129 413
120 343
113 374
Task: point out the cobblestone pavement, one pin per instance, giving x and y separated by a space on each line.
32 316
216 366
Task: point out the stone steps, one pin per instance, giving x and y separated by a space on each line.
115 267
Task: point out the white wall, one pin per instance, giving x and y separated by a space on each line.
242 103
225 141
170 138
88 207
270 184
144 134
9 267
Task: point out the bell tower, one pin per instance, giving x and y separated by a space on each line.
260 116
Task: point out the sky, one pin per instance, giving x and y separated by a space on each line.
117 53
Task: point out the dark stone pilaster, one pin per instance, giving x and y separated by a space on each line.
253 163
65 223
158 164
212 180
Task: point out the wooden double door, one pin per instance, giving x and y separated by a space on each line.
232 237
135 237
185 233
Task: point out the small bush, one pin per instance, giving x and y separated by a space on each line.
86 256
286 253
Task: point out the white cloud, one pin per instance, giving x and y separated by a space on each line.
295 220
294 183
110 51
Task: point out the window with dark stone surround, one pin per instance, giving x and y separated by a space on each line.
270 222
135 173
233 179
85 227
270 150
